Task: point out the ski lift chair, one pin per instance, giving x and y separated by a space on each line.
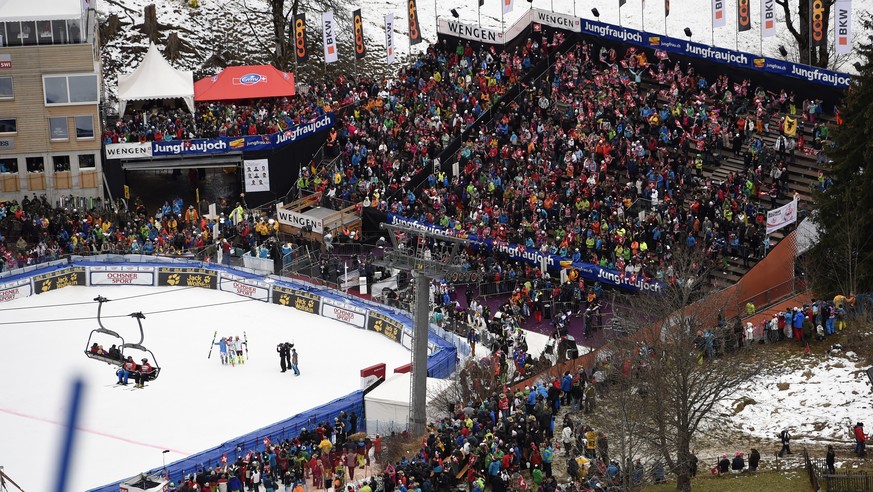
103 330
156 369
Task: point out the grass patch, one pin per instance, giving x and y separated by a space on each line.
741 404
783 386
766 481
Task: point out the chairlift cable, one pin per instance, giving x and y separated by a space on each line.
85 318
22 308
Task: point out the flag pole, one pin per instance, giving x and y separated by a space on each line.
737 33
666 13
712 24
619 13
643 14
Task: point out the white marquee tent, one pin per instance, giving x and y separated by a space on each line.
153 79
387 406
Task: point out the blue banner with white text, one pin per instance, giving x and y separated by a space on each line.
221 145
737 59
587 271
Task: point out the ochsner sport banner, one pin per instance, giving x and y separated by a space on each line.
535 257
843 26
768 18
300 50
744 16
719 19
389 38
360 48
819 36
328 29
414 26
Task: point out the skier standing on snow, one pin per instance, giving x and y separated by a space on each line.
238 349
222 347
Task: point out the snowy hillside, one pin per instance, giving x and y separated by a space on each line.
817 399
231 32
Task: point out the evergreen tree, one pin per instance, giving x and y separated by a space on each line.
842 260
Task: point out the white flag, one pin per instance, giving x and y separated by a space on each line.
782 216
507 6
719 16
768 18
389 37
843 26
329 30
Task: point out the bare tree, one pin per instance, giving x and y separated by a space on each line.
799 24
682 386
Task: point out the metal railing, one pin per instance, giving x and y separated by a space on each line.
847 481
768 297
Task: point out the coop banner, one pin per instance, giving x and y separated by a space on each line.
385 325
257 175
744 18
301 52
121 275
346 313
297 299
16 290
245 287
187 277
535 257
360 47
819 36
414 26
843 26
59 279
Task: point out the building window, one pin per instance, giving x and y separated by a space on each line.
8 125
70 89
3 40
87 161
59 31
84 126
13 33
58 128
6 90
56 90
61 163
28 33
44 31
34 164
9 166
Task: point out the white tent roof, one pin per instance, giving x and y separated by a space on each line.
155 78
387 406
25 10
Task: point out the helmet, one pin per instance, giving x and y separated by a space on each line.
144 360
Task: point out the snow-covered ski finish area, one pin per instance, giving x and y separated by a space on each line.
196 402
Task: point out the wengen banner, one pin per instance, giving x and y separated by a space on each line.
587 271
222 145
782 216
